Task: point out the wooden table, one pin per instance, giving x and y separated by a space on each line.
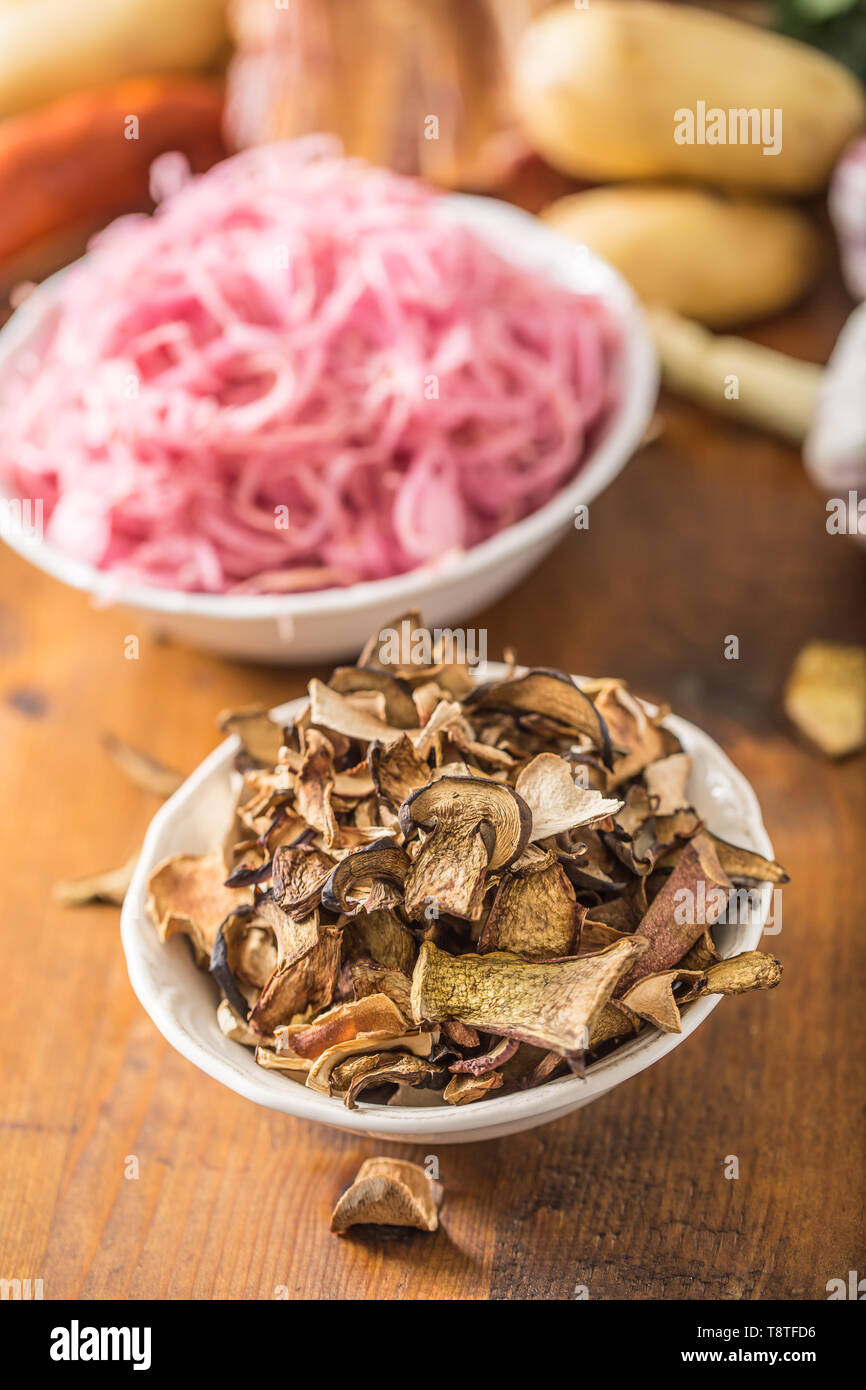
713 530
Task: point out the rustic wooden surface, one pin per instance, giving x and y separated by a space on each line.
713 530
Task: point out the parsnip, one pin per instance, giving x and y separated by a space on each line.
606 92
739 379
719 258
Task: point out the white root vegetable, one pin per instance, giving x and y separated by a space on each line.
737 378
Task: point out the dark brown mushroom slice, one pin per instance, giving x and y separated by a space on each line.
383 859
549 693
401 711
221 957
306 982
397 770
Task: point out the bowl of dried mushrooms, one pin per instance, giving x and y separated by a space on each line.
436 902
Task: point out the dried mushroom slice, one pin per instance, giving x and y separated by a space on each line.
666 782
552 1004
534 914
397 770
633 730
737 975
382 860
336 713
472 801
370 978
461 1090
744 865
383 938
187 893
223 957
476 825
389 1192
552 694
299 874
487 1061
374 1014
305 982
399 708
110 887
555 802
377 1069
260 736
653 998
825 696
419 1043
668 926
232 1025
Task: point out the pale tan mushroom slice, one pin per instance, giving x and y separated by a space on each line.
557 804
666 781
187 893
654 1001
261 736
389 1192
397 770
551 1004
465 1088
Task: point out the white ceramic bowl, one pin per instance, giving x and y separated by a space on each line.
323 626
182 1000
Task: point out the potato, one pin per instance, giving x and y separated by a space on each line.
51 47
609 92
720 258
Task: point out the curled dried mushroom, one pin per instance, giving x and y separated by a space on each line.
464 889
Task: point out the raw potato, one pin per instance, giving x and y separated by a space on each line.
50 47
597 90
717 258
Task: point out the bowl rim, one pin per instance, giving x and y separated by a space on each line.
553 1098
618 440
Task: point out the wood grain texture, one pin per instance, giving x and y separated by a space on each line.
712 530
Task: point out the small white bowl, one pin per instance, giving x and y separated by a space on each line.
182 1000
323 626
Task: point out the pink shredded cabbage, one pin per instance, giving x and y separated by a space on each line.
297 374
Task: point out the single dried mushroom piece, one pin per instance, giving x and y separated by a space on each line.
534 913
477 826
552 1004
556 803
384 860
186 893
261 738
389 1192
